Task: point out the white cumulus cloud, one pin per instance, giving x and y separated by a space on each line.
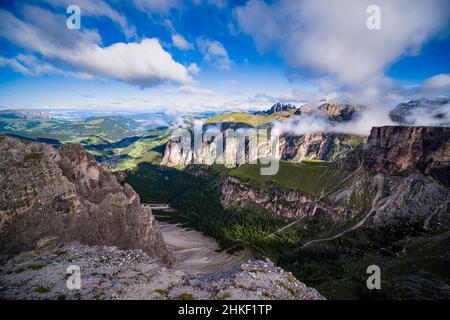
331 37
143 63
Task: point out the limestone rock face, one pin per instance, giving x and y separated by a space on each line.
304 110
399 178
228 148
63 194
398 149
308 146
320 146
174 155
281 201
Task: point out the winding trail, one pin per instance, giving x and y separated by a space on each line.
387 201
354 227
317 200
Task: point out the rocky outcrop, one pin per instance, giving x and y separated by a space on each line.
63 194
281 201
308 146
175 155
422 112
399 150
109 273
399 179
337 111
280 107
292 147
229 148
304 110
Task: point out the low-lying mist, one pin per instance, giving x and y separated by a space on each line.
415 113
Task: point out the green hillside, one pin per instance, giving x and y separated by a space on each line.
109 128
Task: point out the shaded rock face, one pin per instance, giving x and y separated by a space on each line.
304 110
422 111
337 111
284 202
399 150
63 194
318 146
175 155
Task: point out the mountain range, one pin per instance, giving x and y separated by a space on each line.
339 203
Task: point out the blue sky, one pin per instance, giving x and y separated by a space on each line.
206 55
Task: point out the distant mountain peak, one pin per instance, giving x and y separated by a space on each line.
337 111
280 107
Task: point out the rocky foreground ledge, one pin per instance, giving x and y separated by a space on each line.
111 273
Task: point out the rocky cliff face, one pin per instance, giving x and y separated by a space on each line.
317 146
337 111
320 146
64 195
280 107
399 177
59 208
228 149
399 150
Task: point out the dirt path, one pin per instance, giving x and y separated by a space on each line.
319 199
373 208
195 252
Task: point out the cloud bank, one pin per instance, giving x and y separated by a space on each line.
331 37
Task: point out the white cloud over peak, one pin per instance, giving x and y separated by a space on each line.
143 63
331 37
214 52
